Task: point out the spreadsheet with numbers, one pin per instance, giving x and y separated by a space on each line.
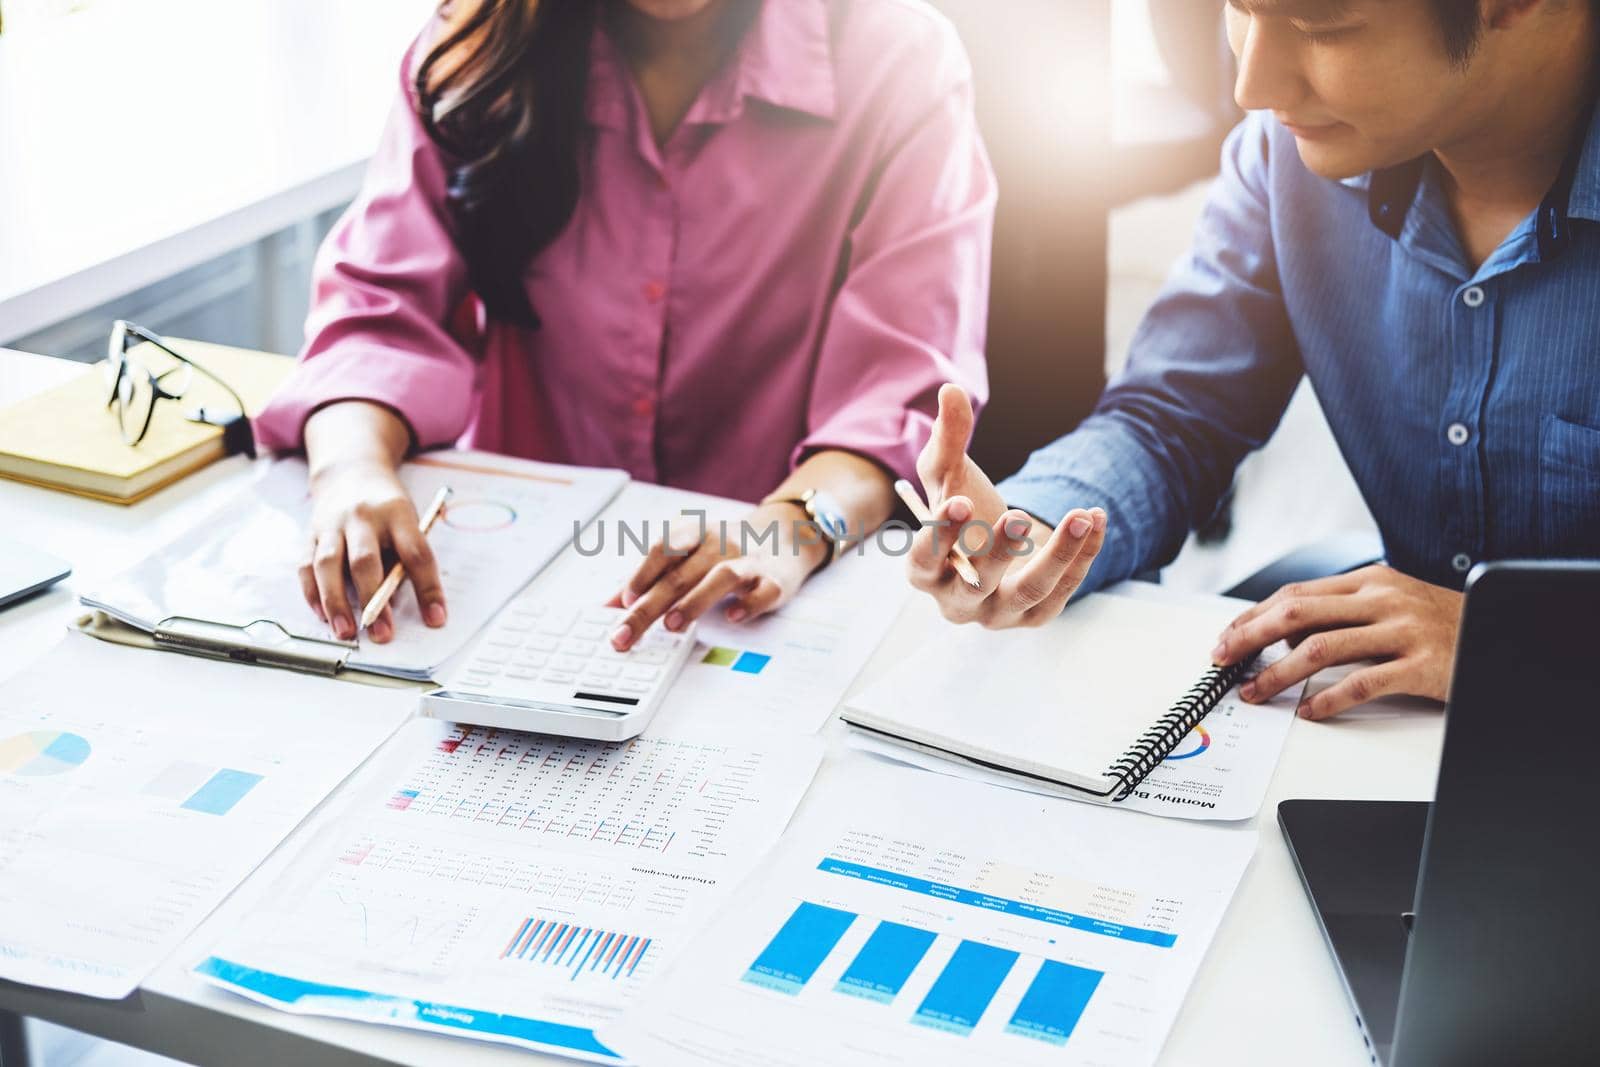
515 887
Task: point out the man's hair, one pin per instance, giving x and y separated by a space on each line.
1461 25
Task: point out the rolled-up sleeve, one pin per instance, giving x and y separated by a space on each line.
912 309
1210 371
385 284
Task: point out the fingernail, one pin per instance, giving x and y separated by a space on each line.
960 510
380 631
1099 519
435 615
1304 710
1016 528
1248 691
620 637
628 597
343 628
736 614
1219 654
674 621
1078 526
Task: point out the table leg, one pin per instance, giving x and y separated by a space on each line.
13 1040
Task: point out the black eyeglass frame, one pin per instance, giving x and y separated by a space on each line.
236 433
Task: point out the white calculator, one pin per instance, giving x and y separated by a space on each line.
549 668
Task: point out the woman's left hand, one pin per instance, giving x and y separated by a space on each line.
705 564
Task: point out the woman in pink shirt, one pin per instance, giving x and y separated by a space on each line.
731 246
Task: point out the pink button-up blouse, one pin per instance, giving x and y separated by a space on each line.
798 268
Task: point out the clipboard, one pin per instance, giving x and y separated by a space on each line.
263 643
211 640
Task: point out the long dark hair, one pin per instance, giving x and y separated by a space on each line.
503 94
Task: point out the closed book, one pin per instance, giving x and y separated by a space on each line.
67 438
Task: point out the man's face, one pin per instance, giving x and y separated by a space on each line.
1362 84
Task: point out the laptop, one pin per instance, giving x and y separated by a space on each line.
1467 931
25 571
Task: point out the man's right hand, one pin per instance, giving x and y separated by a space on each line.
360 514
1027 570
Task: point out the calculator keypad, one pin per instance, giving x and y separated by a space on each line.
533 648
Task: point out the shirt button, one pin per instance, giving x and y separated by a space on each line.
1462 563
1473 297
643 407
654 291
1458 434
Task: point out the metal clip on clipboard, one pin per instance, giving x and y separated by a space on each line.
262 642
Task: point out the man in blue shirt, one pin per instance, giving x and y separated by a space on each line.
1410 218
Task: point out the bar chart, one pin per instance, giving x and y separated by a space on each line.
581 950
198 787
881 968
906 921
964 987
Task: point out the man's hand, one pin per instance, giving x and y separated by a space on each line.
1027 571
944 466
1376 613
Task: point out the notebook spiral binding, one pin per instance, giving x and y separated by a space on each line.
1157 743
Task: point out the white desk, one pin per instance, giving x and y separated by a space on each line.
138 140
1267 994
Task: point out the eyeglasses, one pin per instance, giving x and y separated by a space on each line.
134 390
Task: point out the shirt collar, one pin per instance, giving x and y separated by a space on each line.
1575 194
1584 202
785 59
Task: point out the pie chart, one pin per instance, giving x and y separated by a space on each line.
1196 743
42 752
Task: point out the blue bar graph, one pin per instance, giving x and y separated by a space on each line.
1054 1003
225 789
885 962
798 949
584 950
961 993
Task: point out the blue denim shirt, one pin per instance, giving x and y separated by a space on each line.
1466 402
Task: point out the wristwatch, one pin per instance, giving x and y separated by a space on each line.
826 515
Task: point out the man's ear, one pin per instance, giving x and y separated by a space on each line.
1505 14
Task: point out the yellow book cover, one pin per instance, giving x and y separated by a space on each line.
67 438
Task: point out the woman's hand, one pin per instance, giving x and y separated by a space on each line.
1375 613
360 512
696 567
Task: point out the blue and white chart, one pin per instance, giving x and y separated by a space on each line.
513 887
919 920
138 788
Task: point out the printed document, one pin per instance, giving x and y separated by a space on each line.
138 788
513 887
919 920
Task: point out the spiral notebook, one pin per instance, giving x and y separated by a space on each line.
1086 706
